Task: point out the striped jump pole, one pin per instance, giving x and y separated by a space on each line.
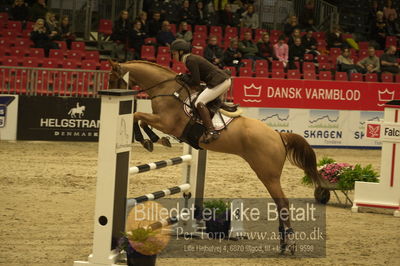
162 223
160 164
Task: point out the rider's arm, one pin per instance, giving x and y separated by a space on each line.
194 70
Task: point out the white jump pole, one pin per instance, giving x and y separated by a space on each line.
115 138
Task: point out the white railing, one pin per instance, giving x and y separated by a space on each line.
52 81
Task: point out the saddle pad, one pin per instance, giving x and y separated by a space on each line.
219 120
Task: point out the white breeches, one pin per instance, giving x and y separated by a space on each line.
208 95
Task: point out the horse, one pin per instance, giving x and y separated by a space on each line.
263 148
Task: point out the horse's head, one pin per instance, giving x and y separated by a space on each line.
116 75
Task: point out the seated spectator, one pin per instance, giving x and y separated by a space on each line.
281 50
200 14
142 17
345 63
227 17
248 48
370 64
291 25
295 34
389 61
38 10
137 37
185 13
41 38
169 10
232 56
309 43
393 26
213 52
120 33
388 10
265 48
19 11
155 24
52 26
296 53
165 36
379 30
334 38
250 18
65 31
184 33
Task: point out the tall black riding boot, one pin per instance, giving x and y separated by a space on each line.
211 133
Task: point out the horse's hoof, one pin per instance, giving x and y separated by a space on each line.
147 144
165 142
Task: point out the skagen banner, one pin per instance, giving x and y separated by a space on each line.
57 118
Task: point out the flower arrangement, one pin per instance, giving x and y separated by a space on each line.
343 175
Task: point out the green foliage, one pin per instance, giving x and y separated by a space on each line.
218 205
140 234
357 173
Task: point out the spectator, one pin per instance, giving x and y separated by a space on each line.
168 11
379 30
65 31
38 10
250 18
213 52
281 50
295 34
393 27
219 5
296 54
372 12
345 63
291 25
19 11
309 43
41 38
142 17
265 48
248 48
185 13
334 39
232 56
388 9
137 39
184 33
155 24
165 37
201 16
52 26
307 16
389 61
227 17
120 33
370 64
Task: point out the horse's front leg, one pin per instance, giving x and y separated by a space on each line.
153 136
146 143
155 121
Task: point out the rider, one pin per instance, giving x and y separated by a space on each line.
201 70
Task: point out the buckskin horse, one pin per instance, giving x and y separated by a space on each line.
263 148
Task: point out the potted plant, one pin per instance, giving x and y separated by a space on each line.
217 218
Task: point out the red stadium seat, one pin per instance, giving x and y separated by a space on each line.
18 52
341 76
150 41
391 40
363 45
356 77
387 77
148 53
322 58
216 31
51 62
245 72
198 51
74 54
163 50
90 64
293 74
325 75
325 66
371 77
308 66
70 63
247 62
105 65
14 25
92 55
199 43
319 35
199 36
261 72
309 75
275 33
231 31
164 60
105 27
277 74
397 78
308 57
62 45
78 46
200 29
56 53
179 67
335 51
277 65
362 53
261 64
30 62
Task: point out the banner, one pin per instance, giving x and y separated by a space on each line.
313 94
8 116
327 128
57 118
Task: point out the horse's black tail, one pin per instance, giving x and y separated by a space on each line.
300 153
